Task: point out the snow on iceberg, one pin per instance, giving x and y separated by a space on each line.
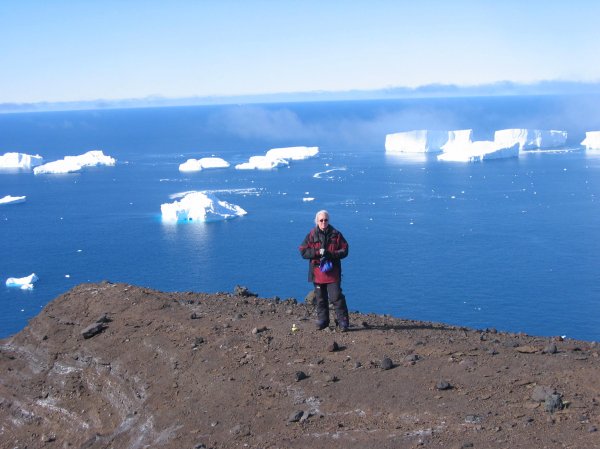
530 139
75 163
592 140
417 141
262 163
292 153
205 162
458 138
20 160
25 283
200 206
479 151
8 199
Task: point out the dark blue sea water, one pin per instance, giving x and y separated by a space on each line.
511 244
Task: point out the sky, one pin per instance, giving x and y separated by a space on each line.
63 50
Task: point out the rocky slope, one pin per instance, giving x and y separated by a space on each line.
117 366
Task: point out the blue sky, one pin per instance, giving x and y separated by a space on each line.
85 50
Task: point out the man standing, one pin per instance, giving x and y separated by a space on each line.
324 247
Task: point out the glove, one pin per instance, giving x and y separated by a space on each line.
322 252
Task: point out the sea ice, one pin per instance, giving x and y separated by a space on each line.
25 283
530 139
20 160
592 140
200 206
417 141
205 162
262 163
74 163
479 151
12 199
293 153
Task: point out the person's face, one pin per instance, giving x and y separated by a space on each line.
323 221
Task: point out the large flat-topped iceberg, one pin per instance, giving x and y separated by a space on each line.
25 283
75 163
479 151
530 139
262 163
292 153
203 163
592 140
8 199
421 141
20 160
200 206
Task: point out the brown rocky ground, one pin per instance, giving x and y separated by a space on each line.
193 370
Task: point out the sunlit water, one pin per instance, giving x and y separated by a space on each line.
511 244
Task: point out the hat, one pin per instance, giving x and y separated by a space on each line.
325 265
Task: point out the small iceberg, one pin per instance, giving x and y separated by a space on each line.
72 164
530 139
20 160
278 157
262 163
12 199
200 206
592 140
479 151
206 162
25 283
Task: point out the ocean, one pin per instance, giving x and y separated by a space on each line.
508 244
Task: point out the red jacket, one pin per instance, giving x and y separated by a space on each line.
336 248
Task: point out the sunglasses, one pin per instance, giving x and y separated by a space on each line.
323 220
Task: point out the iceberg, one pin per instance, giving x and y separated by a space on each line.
20 160
200 206
205 162
530 139
72 164
592 140
262 163
25 283
12 199
479 151
417 141
292 153
458 138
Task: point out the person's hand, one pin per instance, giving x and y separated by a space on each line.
322 252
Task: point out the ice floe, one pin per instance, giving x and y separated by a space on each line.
20 160
479 151
203 163
530 139
278 157
75 163
25 283
592 140
8 199
200 206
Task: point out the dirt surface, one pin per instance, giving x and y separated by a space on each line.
194 370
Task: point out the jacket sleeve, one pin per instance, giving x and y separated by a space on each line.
306 251
341 249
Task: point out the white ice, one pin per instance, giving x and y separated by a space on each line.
25 283
293 153
417 141
205 162
20 160
262 163
8 199
458 138
479 151
308 199
200 206
530 139
75 163
592 140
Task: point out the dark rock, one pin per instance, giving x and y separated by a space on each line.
104 318
387 363
296 416
92 330
443 385
411 358
474 419
466 445
198 341
553 403
592 429
300 375
194 316
333 347
240 290
550 349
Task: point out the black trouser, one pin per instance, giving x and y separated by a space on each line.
326 293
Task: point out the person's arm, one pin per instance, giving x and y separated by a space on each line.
341 250
307 251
